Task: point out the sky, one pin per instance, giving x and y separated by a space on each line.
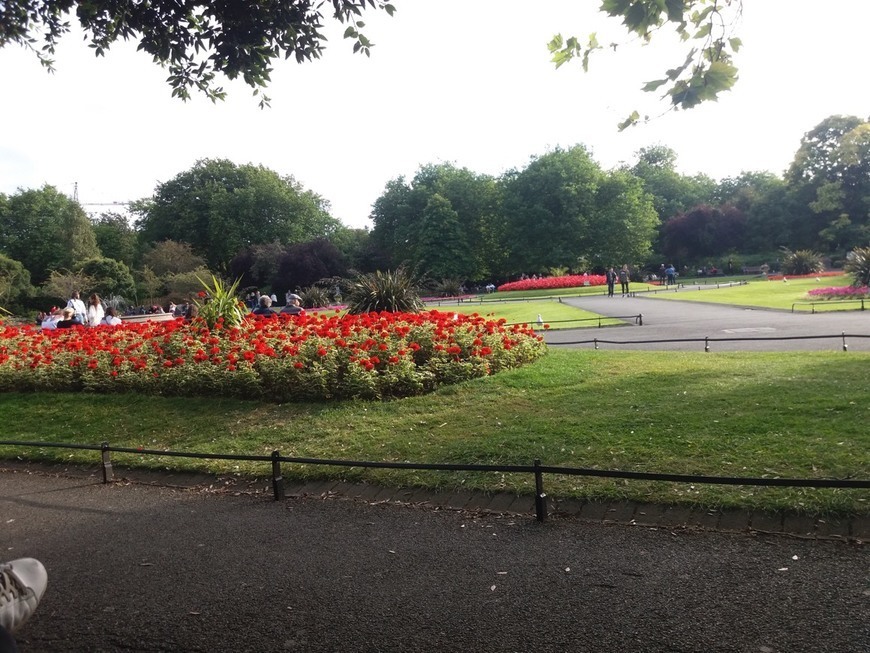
467 82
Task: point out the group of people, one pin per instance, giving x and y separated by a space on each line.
612 276
264 308
77 313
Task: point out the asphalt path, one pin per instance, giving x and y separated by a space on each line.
142 568
729 328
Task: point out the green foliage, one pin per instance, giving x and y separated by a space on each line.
558 271
169 257
116 239
62 284
219 208
184 285
45 230
446 221
395 292
221 303
14 281
109 277
858 265
196 40
803 261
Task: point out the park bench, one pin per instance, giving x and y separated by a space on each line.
758 269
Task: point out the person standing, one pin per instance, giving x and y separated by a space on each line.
610 277
623 279
79 310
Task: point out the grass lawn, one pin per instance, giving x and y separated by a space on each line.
736 414
770 294
554 313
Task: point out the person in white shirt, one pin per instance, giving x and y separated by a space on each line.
51 320
95 312
111 318
75 302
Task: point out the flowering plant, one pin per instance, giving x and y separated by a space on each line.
550 283
841 292
291 358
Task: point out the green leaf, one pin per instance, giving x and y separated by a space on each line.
555 43
628 122
675 9
651 86
349 32
735 44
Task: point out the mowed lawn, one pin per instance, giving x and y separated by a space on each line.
797 415
788 294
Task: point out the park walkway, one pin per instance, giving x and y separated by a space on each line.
673 319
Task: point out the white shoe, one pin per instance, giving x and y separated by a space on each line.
22 584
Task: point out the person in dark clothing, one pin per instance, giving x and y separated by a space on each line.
265 307
610 276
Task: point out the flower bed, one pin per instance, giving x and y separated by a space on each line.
550 283
292 358
840 292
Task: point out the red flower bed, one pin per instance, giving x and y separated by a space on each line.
551 283
311 356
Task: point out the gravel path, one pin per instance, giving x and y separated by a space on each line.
139 568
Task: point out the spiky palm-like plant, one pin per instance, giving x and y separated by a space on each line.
395 292
220 300
858 265
803 261
314 297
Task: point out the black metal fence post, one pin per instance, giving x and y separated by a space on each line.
540 496
277 479
845 346
107 463
707 343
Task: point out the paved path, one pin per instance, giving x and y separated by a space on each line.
674 319
140 568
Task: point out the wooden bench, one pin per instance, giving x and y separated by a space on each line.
759 269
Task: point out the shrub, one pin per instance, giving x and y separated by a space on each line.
858 265
394 292
803 261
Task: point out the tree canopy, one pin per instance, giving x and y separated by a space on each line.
196 39
219 208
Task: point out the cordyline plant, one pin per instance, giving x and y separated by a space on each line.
395 292
220 302
289 358
858 265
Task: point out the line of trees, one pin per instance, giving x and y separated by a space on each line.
449 224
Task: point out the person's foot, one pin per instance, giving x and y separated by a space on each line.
22 584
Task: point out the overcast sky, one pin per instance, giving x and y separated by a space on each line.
461 81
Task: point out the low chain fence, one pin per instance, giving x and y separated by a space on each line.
596 342
536 468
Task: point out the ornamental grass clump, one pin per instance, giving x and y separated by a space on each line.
393 291
290 358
